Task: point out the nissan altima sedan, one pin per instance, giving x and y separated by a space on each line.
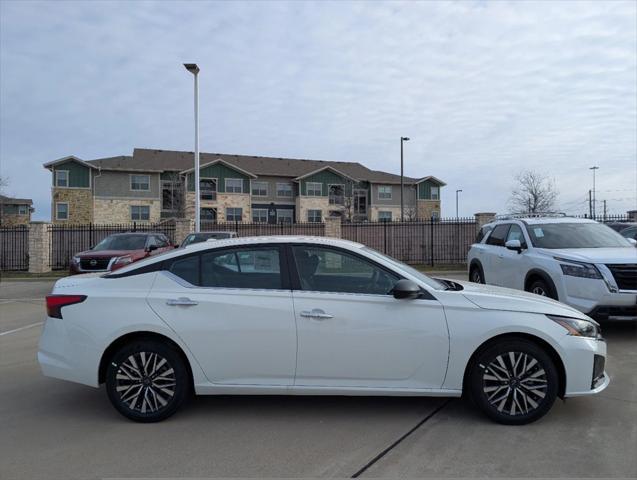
312 316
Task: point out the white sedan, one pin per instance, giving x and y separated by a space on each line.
312 316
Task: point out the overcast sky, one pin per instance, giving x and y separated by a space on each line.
484 89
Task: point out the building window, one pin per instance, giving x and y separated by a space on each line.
336 194
139 212
23 209
234 185
435 193
171 195
284 190
435 214
234 214
314 216
208 214
384 192
284 216
260 189
207 188
140 182
314 189
61 178
384 216
260 215
61 211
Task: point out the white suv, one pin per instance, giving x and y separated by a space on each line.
576 261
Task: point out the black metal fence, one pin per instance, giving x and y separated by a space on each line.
249 229
433 242
607 218
14 248
67 240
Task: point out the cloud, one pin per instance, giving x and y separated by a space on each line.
482 88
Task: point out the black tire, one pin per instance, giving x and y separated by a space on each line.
148 392
475 274
542 288
513 397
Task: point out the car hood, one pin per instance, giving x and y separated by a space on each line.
595 255
498 298
106 253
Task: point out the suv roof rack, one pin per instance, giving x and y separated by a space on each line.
511 216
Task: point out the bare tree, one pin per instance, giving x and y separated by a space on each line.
533 192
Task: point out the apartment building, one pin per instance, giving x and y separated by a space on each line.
15 211
152 185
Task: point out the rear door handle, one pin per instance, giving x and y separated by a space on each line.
316 314
181 301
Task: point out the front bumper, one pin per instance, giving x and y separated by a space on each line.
584 361
593 297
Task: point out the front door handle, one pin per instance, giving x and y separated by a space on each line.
181 301
316 314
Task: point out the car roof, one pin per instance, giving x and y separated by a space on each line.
542 220
135 233
216 232
241 241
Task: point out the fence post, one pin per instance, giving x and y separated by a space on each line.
482 218
183 226
333 227
431 240
385 238
39 247
632 215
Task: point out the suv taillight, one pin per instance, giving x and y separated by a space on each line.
54 303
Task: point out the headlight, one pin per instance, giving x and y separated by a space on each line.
124 260
578 327
76 259
578 269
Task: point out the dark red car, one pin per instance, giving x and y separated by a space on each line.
119 250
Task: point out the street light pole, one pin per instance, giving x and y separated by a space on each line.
402 208
194 69
594 196
457 192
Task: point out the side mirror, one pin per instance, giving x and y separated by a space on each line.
405 289
633 241
514 245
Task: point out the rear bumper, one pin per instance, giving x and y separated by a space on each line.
66 358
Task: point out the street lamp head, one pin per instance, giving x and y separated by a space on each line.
404 139
594 168
458 191
192 68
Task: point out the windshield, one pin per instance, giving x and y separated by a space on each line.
122 242
411 270
575 235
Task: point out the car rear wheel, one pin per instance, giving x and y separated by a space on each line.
147 381
514 382
475 275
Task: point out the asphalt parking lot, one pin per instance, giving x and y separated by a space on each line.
55 429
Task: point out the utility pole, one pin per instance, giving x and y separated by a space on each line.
590 203
604 210
457 192
594 212
194 69
402 208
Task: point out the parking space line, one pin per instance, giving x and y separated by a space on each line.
397 442
21 328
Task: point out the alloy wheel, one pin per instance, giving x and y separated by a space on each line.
515 383
539 290
145 382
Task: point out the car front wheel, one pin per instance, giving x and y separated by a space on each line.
147 381
514 382
475 275
540 287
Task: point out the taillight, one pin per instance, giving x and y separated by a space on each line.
54 303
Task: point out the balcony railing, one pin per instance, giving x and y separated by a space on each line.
208 194
337 200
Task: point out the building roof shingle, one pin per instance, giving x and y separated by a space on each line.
15 201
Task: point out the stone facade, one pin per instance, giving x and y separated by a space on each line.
332 227
118 210
483 218
14 219
80 203
303 204
426 209
223 201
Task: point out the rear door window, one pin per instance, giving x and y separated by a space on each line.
251 268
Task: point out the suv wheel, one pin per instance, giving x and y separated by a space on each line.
540 287
514 382
147 381
475 275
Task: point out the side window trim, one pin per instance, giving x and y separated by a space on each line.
294 273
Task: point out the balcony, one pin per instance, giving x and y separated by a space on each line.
337 200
